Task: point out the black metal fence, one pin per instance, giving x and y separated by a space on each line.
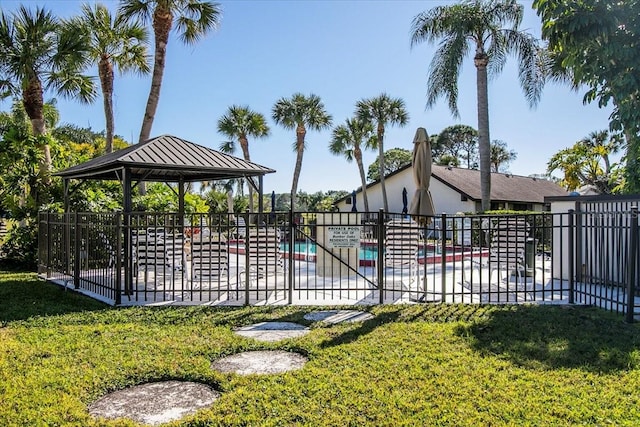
343 258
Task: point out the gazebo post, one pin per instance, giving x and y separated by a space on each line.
127 208
181 203
66 195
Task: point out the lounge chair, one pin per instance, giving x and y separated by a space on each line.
209 256
402 242
264 255
241 227
506 254
150 250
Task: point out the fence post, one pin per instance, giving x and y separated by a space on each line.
631 264
76 251
118 296
290 260
65 261
48 249
571 255
578 241
443 256
246 257
380 260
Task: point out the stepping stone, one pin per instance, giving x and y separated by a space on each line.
260 362
155 403
338 316
273 331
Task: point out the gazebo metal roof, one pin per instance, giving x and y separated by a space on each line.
165 158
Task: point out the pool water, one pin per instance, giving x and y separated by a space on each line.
366 252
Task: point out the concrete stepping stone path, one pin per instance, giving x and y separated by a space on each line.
338 316
260 362
273 331
155 403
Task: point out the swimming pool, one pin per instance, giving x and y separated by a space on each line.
367 252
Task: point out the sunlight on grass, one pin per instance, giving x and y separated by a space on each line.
410 365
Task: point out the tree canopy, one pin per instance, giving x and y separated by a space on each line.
395 158
588 163
490 30
458 141
595 43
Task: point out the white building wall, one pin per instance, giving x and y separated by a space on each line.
445 199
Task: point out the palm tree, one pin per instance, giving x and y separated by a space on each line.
347 140
115 42
39 52
382 111
602 143
240 122
193 20
501 156
587 162
490 29
300 113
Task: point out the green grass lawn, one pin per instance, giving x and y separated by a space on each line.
412 365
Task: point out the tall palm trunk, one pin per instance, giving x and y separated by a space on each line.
484 146
105 71
162 21
301 132
357 153
381 165
244 144
33 103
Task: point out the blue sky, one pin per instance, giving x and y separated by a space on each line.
342 51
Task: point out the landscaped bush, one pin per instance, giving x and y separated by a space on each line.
21 245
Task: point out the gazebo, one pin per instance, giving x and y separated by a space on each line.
166 158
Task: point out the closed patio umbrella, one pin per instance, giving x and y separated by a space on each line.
353 202
405 201
421 204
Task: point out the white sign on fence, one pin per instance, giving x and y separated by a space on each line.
343 236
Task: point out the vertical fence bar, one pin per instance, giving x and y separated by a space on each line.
76 252
129 260
290 259
66 259
631 265
443 256
571 256
380 255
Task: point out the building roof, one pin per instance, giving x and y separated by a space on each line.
504 187
166 158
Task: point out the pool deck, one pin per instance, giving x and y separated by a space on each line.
456 283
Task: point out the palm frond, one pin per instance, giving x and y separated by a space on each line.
444 71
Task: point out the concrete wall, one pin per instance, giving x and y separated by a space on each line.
560 250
